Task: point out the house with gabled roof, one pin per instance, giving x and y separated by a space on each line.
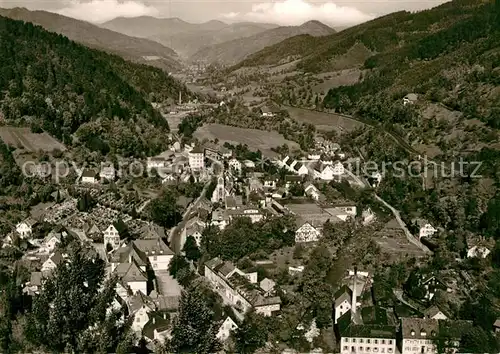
140 306
50 241
113 232
25 227
131 279
343 300
34 285
156 250
194 227
435 313
52 262
89 176
226 328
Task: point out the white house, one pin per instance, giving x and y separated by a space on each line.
478 252
307 233
226 328
140 307
435 313
194 227
25 227
157 251
425 229
267 111
51 241
112 236
300 169
197 159
323 171
410 98
131 280
311 191
338 168
169 178
368 216
253 213
235 165
267 285
89 176
52 262
270 182
314 156
249 164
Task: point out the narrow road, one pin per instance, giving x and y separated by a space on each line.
175 235
408 234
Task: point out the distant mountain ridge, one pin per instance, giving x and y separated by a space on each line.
236 50
140 50
185 37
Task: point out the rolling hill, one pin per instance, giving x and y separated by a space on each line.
382 34
140 50
79 95
186 38
236 50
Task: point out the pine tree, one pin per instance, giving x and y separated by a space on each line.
194 329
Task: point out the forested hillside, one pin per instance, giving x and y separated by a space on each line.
53 84
382 34
457 65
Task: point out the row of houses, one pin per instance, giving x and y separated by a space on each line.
368 330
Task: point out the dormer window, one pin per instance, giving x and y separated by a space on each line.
412 332
423 333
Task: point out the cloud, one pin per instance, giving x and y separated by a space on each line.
296 12
105 10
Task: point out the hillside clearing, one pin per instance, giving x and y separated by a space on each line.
23 138
324 121
254 138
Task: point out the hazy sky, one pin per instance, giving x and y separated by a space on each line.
336 13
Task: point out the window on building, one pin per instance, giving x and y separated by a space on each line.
368 340
354 340
345 347
361 340
155 258
376 341
383 341
390 341
382 350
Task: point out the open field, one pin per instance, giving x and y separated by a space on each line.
324 121
336 79
255 139
30 142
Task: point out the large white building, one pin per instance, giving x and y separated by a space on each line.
232 285
112 236
25 228
421 335
197 159
307 233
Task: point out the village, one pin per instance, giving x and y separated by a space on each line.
138 252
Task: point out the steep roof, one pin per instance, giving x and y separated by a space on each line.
87 172
130 272
197 150
419 328
128 253
344 293
153 247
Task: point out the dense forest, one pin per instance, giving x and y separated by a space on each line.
53 84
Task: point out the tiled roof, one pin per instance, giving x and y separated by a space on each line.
419 328
130 272
153 247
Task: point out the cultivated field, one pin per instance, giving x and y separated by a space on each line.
254 138
324 121
30 142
